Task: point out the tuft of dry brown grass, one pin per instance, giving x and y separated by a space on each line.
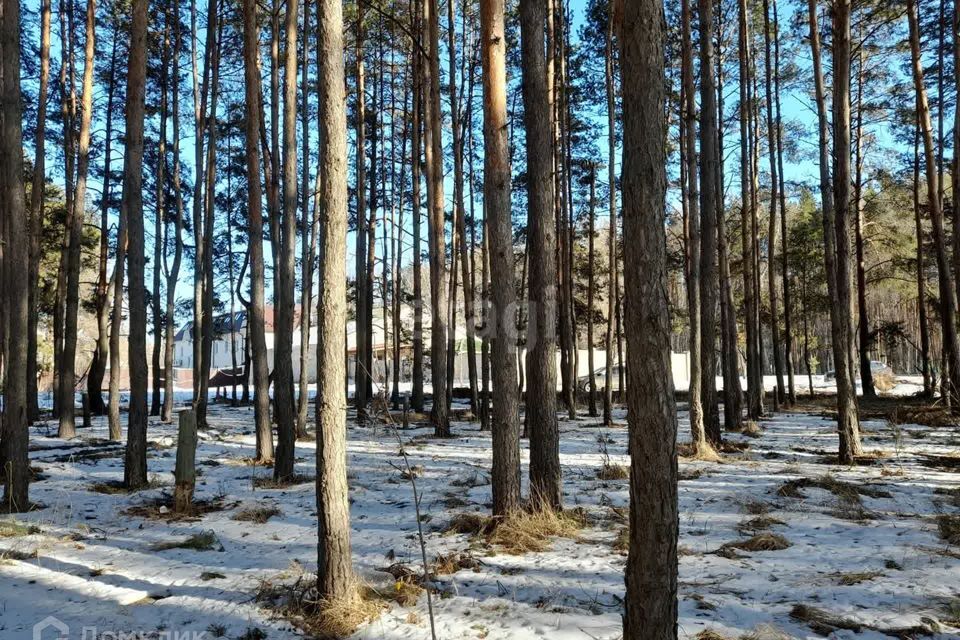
710 634
203 541
453 562
948 526
299 603
846 491
527 531
760 523
856 577
751 429
621 543
884 382
610 471
822 621
705 453
761 542
522 532
14 529
267 482
258 515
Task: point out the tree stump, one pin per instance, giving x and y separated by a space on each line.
185 472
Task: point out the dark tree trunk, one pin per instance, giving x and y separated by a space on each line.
541 403
135 467
502 325
651 572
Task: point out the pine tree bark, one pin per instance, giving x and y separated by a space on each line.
416 63
14 433
68 371
502 312
948 299
35 223
283 348
928 383
159 229
257 340
439 415
361 374
541 403
135 466
609 83
780 393
747 216
173 273
334 569
591 290
651 572
693 254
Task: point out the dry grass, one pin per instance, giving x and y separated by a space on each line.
203 541
705 453
162 509
621 543
610 471
930 416
300 604
451 563
821 621
755 507
531 530
846 491
710 634
948 526
267 482
116 487
761 542
521 532
884 382
14 529
760 523
258 515
856 577
751 429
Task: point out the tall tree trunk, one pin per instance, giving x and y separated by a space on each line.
591 290
256 322
283 347
836 220
439 415
361 375
496 196
688 125
709 161
35 223
310 224
173 273
732 389
651 572
780 393
335 574
784 254
545 481
135 466
747 215
609 83
68 372
159 231
461 227
928 383
948 299
14 434
863 327
416 62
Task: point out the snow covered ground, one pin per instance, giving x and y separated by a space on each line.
867 552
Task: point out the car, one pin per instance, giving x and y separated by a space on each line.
599 376
877 368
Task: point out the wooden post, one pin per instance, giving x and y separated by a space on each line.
185 472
